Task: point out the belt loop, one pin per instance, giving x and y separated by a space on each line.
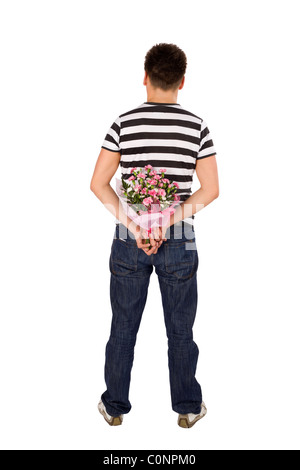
123 231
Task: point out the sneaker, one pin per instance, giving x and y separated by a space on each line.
111 420
187 421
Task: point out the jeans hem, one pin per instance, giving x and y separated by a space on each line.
110 410
182 411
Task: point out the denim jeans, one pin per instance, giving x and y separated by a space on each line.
176 265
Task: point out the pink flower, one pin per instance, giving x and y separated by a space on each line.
160 185
161 192
148 167
165 180
141 175
144 191
163 170
137 187
157 177
131 178
152 192
176 197
170 186
176 184
153 182
152 173
147 201
133 169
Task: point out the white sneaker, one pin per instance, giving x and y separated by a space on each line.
111 420
187 421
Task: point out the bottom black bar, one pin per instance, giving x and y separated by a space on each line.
100 459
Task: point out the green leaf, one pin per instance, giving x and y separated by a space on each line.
124 184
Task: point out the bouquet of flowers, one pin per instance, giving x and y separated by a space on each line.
148 197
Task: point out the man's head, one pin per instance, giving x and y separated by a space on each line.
165 65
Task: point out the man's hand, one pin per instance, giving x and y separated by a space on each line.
155 238
163 231
157 235
141 237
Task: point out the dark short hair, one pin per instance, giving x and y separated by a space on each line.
165 65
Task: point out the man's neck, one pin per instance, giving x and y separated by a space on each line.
162 97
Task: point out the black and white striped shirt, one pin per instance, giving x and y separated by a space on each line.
164 135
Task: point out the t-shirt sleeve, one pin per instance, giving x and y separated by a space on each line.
112 139
206 148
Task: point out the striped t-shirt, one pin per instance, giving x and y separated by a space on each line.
164 135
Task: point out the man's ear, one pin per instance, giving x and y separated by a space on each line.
145 79
182 83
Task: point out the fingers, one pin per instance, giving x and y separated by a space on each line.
152 239
148 248
162 233
144 233
151 251
141 244
154 245
154 249
156 238
156 233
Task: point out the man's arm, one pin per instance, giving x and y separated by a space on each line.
207 173
106 166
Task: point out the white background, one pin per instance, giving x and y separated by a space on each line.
69 68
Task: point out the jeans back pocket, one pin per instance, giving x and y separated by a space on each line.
181 258
124 256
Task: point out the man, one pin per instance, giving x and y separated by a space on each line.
161 133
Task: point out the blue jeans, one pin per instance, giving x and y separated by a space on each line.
176 264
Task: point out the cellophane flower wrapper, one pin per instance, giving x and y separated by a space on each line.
149 219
